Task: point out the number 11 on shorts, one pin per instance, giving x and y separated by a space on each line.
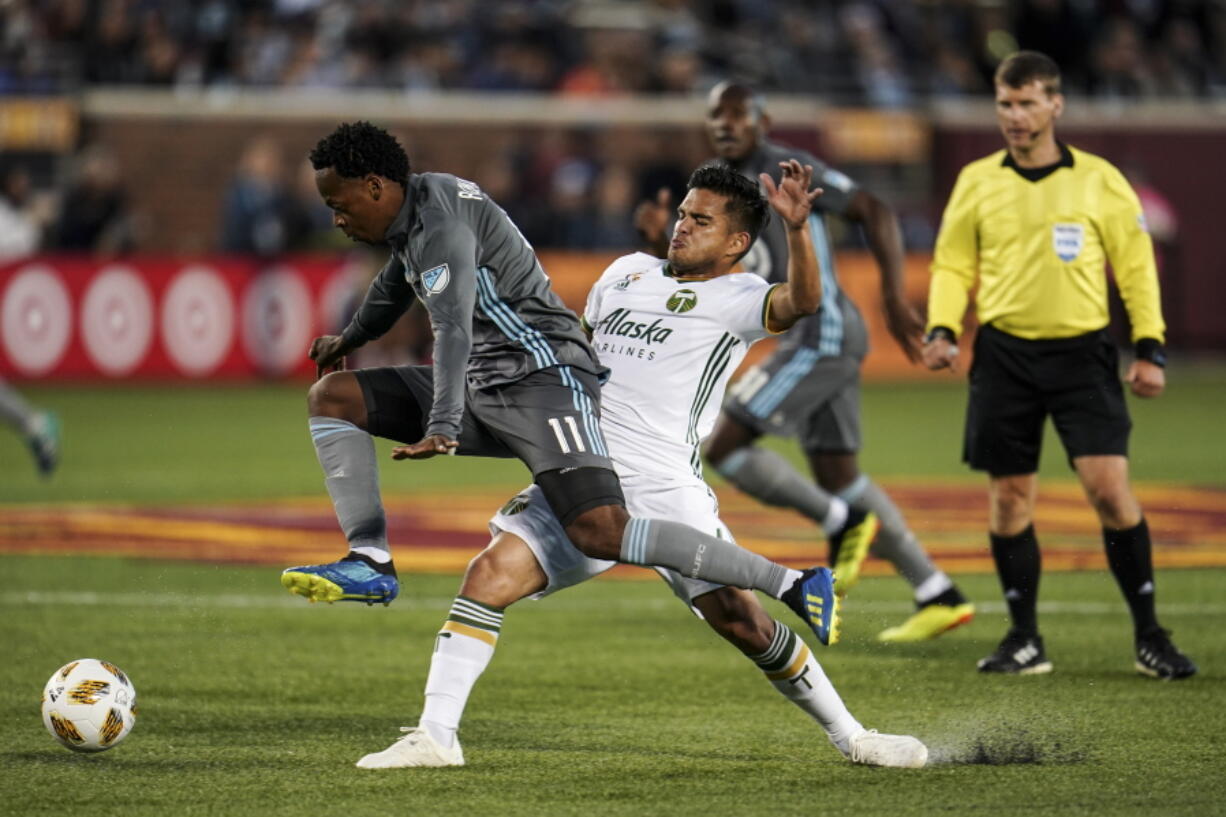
556 424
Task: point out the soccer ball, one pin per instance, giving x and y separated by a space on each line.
89 705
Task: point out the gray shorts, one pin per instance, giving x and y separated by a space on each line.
548 420
529 517
798 393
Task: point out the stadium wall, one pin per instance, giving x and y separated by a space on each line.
179 151
79 319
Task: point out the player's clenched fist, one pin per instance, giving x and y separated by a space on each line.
328 352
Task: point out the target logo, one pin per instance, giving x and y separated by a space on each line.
277 321
197 320
36 320
117 320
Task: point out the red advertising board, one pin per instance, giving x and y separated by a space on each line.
76 318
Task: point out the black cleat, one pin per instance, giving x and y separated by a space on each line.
1018 654
1157 657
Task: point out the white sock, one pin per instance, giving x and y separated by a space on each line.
790 577
931 587
462 651
836 517
791 668
375 554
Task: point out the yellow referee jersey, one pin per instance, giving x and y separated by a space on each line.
1039 249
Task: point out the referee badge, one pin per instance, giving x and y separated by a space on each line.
435 280
1067 240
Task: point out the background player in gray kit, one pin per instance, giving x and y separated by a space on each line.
809 387
513 376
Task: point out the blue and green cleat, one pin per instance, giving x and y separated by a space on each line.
812 598
346 580
44 443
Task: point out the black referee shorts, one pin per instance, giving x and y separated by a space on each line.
1017 383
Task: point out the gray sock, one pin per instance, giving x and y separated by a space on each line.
895 543
692 553
15 411
347 455
769 478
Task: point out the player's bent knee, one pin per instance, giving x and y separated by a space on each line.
591 507
339 395
597 532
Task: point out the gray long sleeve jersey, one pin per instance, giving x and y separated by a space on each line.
837 328
494 315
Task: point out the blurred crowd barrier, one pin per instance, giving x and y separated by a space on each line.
70 318
75 318
131 173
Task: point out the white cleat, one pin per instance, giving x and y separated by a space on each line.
871 748
417 748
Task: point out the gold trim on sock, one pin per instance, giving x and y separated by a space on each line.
794 669
471 632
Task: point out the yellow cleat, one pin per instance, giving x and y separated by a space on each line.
927 623
312 588
851 545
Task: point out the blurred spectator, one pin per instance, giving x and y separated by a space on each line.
258 215
1119 67
614 201
308 220
94 214
24 214
1061 29
878 52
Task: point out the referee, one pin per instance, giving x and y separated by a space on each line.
1035 223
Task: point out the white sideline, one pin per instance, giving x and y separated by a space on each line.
576 601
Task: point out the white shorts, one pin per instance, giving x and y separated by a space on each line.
529 517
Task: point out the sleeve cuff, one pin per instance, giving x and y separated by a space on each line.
1151 349
447 430
941 333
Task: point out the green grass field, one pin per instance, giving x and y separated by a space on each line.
211 442
606 699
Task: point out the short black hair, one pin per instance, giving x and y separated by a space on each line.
1021 68
747 206
355 149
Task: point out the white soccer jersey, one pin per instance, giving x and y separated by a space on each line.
671 346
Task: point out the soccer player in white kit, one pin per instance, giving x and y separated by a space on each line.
672 333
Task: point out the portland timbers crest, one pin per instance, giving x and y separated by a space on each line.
683 300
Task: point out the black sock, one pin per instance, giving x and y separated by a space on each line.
1128 554
386 568
1018 565
950 598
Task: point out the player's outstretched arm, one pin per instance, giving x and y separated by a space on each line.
792 201
884 236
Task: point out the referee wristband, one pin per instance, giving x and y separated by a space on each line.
1151 349
941 333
